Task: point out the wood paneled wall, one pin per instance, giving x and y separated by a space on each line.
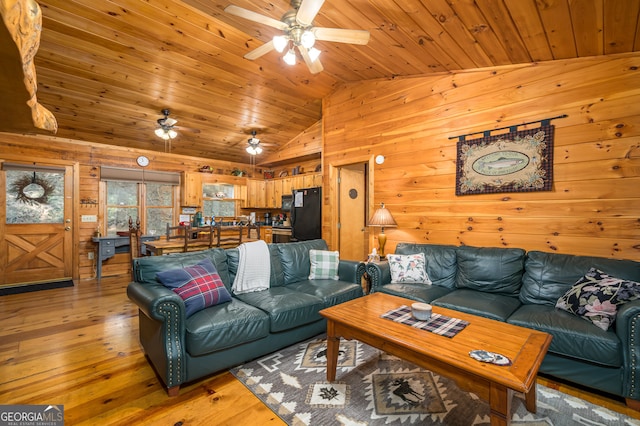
594 207
90 157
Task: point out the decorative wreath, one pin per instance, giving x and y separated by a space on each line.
19 186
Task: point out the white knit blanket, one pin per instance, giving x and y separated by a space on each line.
254 268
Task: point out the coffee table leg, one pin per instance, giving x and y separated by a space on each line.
500 405
333 344
530 398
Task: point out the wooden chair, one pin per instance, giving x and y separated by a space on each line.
135 243
253 232
201 238
176 232
229 236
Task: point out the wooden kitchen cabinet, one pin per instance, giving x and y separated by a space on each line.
266 234
268 193
191 189
192 184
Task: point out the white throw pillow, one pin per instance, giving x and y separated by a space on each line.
408 268
324 264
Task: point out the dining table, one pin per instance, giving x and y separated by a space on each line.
161 247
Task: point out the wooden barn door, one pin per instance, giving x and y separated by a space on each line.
36 231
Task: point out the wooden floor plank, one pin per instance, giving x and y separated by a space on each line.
79 347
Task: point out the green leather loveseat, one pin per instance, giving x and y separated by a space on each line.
184 348
508 284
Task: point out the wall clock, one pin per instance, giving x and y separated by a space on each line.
142 161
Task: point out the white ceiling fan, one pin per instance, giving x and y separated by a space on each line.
165 129
253 144
299 32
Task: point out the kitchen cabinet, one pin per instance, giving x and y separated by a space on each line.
267 193
256 197
270 193
266 234
191 189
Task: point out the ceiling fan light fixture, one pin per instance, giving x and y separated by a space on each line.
307 39
290 57
280 43
159 132
254 150
314 54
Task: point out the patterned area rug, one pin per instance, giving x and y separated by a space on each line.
374 388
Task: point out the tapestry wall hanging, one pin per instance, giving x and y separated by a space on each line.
518 161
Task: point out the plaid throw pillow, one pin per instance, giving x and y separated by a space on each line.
324 264
198 285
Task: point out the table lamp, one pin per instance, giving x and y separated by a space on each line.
382 217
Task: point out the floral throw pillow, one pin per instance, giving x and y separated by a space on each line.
198 285
408 268
596 297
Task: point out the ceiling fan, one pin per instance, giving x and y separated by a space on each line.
166 130
253 146
299 32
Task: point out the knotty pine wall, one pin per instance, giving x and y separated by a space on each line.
594 207
90 157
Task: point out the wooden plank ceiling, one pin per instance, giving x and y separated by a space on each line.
106 68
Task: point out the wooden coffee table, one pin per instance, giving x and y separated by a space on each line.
360 319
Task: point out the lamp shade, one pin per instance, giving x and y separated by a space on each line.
382 217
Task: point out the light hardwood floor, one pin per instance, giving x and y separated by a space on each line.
79 347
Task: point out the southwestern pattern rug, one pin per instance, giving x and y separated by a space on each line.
374 388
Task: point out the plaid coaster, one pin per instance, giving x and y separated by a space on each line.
438 324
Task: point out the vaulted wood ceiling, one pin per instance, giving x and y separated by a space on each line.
106 68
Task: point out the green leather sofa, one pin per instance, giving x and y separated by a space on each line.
508 284
182 349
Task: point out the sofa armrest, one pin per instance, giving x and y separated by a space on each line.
162 332
627 327
379 274
348 271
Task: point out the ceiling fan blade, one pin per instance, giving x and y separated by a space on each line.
314 66
256 17
342 35
307 11
262 50
187 129
169 122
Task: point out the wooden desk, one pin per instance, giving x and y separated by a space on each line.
361 319
107 247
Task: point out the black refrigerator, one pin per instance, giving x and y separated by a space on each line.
306 214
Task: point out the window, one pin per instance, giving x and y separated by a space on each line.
122 203
128 199
159 207
134 193
218 200
34 195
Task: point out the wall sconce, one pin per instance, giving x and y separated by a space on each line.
381 218
379 159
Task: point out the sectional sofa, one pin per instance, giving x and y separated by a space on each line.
183 345
509 284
